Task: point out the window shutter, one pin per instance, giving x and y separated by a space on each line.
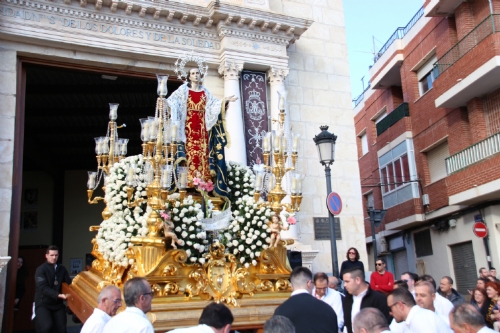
364 143
436 161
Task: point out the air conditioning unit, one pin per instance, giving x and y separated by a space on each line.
425 200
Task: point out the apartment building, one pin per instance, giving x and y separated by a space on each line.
428 129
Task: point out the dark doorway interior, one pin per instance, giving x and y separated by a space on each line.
64 110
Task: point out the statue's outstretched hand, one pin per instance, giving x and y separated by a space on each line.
231 98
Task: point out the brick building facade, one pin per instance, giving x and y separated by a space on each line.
428 132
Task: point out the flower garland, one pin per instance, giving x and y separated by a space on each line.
113 238
248 233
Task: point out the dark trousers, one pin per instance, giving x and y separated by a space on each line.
48 320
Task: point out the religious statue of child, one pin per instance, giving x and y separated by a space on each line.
201 131
167 226
276 225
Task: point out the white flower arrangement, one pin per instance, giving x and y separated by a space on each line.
113 238
248 232
189 228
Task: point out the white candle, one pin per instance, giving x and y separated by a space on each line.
183 180
258 182
294 185
150 175
98 146
283 143
299 185
130 175
295 144
265 143
281 105
174 132
161 87
145 130
91 183
277 142
123 149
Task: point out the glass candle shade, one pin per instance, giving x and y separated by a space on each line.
153 128
162 85
131 175
295 142
98 147
182 173
175 128
144 129
91 181
166 176
123 147
259 181
281 103
113 111
105 145
266 142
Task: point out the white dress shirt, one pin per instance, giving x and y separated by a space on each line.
396 327
132 320
95 323
425 321
356 304
333 298
442 305
485 329
195 329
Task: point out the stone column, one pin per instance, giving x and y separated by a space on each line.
234 116
277 78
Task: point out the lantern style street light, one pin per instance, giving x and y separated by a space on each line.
376 217
325 141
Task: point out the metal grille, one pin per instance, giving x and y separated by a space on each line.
491 105
400 263
464 266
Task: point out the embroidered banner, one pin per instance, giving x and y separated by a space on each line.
254 105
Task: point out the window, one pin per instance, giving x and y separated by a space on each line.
369 200
364 144
423 244
427 74
397 170
436 160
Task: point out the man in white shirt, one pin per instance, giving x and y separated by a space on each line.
410 278
441 304
215 318
138 296
329 296
108 302
466 319
403 308
370 320
425 294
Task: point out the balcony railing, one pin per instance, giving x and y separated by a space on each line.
489 25
473 154
358 99
399 34
397 114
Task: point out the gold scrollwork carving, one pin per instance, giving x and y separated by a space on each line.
266 285
169 270
282 285
170 288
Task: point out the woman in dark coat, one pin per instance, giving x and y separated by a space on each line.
352 261
22 274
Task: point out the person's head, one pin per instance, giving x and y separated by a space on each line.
410 278
369 320
109 300
481 283
425 294
446 284
483 272
194 76
218 317
301 278
380 265
333 282
137 292
275 218
320 283
428 278
354 281
279 324
493 272
479 295
352 254
400 301
464 318
52 254
400 284
492 289
20 262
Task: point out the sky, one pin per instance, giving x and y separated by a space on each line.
365 19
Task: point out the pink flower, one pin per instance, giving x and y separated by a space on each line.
291 220
164 215
209 186
196 181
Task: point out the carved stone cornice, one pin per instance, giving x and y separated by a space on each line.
272 27
277 75
230 69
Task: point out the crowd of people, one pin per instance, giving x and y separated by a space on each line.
413 304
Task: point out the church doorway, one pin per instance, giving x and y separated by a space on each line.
64 110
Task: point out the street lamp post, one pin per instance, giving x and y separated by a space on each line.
376 217
325 141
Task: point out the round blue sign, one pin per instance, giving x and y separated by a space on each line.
334 203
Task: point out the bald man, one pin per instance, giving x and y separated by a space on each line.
108 302
370 320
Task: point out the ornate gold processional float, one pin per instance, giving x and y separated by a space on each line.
172 226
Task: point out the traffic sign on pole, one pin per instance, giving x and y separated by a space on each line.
480 229
334 203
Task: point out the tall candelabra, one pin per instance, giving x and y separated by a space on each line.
271 174
109 149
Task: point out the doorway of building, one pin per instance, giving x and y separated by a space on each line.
65 109
464 267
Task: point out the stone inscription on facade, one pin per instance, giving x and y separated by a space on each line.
107 29
322 228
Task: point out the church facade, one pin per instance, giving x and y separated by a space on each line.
298 46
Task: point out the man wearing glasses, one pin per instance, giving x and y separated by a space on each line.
108 302
410 278
382 280
403 308
138 296
329 296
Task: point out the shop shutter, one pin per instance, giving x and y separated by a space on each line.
464 266
436 161
400 263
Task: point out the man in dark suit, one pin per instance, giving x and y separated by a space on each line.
359 296
308 314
